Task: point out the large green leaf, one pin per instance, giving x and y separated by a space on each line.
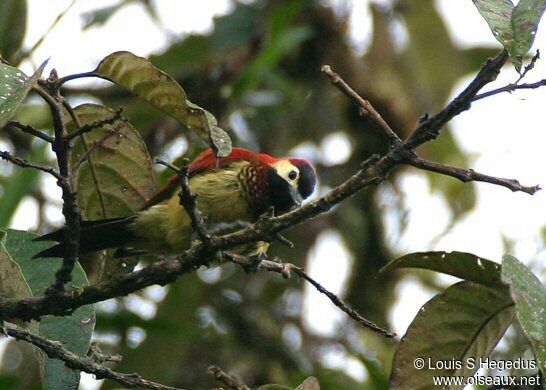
530 297
462 265
117 177
13 283
498 15
464 322
514 27
13 89
525 19
73 331
13 23
139 76
113 181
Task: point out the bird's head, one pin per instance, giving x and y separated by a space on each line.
290 182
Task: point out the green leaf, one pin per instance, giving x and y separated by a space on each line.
459 264
13 24
100 16
113 181
464 322
530 298
14 87
73 331
117 177
13 283
498 15
377 377
514 27
139 76
525 19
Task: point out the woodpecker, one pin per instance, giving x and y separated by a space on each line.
236 188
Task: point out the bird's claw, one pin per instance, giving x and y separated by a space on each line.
254 266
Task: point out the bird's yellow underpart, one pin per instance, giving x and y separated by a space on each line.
166 229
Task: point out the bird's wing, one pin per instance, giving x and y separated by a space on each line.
163 193
205 162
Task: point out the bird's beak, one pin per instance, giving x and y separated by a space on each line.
296 197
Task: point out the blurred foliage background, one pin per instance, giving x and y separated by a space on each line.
258 72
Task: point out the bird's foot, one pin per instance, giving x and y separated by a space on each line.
254 266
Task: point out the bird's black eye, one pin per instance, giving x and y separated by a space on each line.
292 175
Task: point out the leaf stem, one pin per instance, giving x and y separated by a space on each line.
76 76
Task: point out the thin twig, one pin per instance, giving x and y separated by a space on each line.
31 130
55 350
253 264
228 380
366 108
96 354
95 145
88 127
26 164
530 66
511 88
286 268
76 76
344 307
467 175
167 164
187 200
283 240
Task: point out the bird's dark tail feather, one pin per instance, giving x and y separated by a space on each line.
94 236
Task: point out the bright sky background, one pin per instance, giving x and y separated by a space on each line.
504 134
